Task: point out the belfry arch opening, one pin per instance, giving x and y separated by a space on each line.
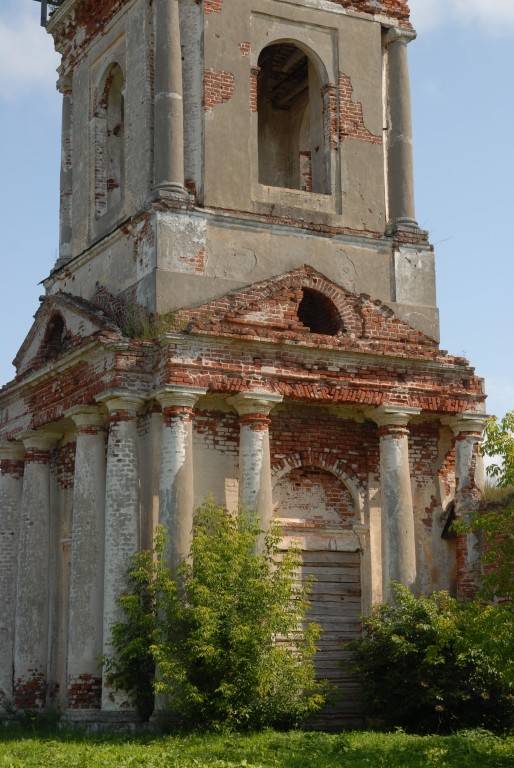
291 144
319 314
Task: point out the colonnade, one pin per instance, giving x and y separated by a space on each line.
106 523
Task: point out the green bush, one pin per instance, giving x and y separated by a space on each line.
432 664
228 636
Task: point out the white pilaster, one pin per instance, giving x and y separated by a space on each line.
169 104
32 601
66 177
398 538
121 518
11 477
85 638
400 167
176 489
255 492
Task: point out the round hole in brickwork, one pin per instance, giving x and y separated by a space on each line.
317 313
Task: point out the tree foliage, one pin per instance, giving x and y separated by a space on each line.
432 664
496 523
499 441
228 635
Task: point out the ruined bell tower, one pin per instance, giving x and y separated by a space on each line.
243 305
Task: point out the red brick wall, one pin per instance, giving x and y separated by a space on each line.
218 88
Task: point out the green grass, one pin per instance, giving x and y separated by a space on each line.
471 749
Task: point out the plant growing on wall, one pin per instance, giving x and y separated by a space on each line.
228 635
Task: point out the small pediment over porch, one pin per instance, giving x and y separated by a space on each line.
61 323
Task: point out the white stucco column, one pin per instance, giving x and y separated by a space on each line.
168 100
85 637
11 477
468 429
31 625
176 487
66 177
255 492
398 539
121 519
400 167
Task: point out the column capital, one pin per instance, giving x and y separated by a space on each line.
86 416
179 397
466 422
40 440
399 34
392 415
120 401
13 451
256 402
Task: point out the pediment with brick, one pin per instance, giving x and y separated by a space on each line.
306 306
62 322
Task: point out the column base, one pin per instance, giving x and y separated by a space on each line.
407 226
173 190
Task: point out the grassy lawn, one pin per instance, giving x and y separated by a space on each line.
471 749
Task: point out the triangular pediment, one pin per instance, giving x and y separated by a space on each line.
61 323
305 305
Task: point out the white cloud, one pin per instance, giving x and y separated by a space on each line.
493 16
27 58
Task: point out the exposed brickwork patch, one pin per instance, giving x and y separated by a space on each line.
219 431
254 89
84 692
13 467
212 6
218 88
334 501
345 448
30 693
352 119
196 262
245 49
63 465
395 9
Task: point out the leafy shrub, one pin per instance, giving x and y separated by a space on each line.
495 520
228 636
431 664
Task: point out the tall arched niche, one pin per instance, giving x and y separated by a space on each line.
292 141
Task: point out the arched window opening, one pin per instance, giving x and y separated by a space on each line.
319 314
292 150
110 142
55 337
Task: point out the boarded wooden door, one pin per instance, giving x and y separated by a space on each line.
316 509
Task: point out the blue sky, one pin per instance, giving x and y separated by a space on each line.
462 78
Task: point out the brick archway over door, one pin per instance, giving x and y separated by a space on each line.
315 508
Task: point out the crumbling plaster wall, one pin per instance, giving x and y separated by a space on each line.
338 45
246 231
126 40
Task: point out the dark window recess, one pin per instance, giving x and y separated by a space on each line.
55 337
292 121
319 314
448 532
